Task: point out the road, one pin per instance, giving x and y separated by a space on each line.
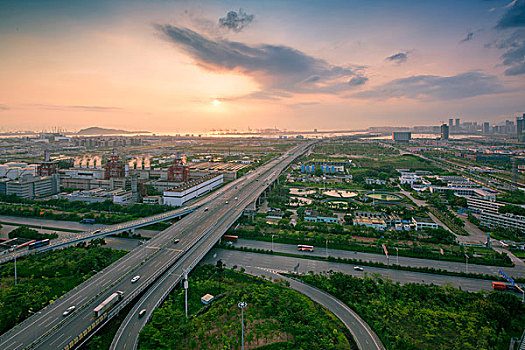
364 336
404 261
64 225
149 261
289 264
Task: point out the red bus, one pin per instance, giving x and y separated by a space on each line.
499 286
230 238
305 248
25 244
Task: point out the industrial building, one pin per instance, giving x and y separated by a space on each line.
31 187
47 167
115 167
99 195
177 196
466 192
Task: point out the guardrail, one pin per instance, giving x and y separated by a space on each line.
103 232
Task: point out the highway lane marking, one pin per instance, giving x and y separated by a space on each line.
57 339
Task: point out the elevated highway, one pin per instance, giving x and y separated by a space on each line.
197 231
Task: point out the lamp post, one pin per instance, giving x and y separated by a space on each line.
397 255
15 270
466 262
272 242
186 294
326 248
241 306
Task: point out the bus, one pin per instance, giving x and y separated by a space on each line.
499 286
107 304
230 238
305 248
39 244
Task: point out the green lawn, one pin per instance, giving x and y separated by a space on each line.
415 316
276 317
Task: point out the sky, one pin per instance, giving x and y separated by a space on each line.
198 66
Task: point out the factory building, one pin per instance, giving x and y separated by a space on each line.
115 167
177 196
178 171
31 187
47 167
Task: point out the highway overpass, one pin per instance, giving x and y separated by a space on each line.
198 232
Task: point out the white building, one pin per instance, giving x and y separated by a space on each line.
84 173
375 182
503 220
423 223
466 192
409 179
122 197
479 205
152 200
176 197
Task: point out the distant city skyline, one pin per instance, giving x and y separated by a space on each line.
194 66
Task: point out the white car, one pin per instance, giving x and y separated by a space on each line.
68 310
135 279
358 268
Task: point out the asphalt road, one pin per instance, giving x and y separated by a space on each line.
364 336
517 271
147 260
289 264
66 225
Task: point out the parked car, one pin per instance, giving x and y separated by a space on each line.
358 268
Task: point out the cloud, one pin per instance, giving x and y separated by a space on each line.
514 17
83 108
280 70
236 21
514 56
469 37
435 87
400 57
358 80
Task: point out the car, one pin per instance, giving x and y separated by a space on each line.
358 268
236 198
142 313
135 279
69 310
226 202
206 209
229 243
175 241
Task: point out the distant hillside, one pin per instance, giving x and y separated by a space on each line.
95 130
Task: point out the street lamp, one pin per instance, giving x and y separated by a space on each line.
272 242
466 262
241 306
15 270
397 255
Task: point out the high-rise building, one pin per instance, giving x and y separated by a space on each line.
444 132
520 126
401 136
451 124
458 124
486 128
